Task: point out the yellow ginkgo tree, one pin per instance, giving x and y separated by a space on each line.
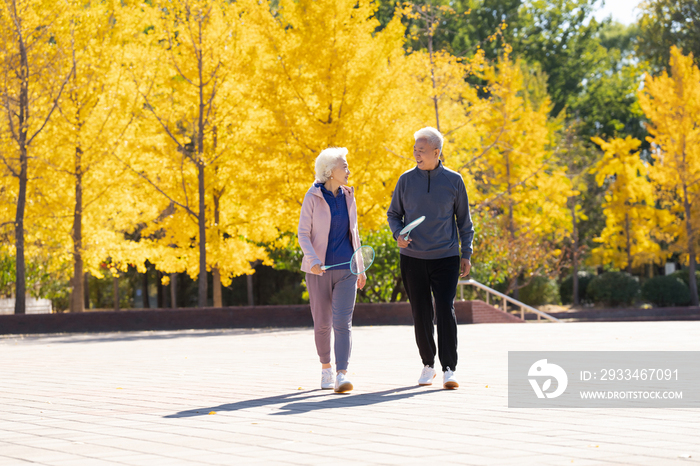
333 80
89 201
671 102
31 84
195 68
631 218
514 178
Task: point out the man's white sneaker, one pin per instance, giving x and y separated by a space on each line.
327 379
449 380
426 376
342 384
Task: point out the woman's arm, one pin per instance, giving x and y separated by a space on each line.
304 231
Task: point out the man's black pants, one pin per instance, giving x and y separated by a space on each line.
439 276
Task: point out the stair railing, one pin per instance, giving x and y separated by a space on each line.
506 299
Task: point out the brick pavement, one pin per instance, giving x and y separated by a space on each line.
144 398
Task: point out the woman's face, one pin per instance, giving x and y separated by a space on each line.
341 173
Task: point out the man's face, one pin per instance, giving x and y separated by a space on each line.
426 156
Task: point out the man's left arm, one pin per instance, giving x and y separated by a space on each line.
465 228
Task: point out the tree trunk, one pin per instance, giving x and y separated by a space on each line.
397 289
77 295
202 291
115 291
159 287
432 77
691 279
77 302
574 255
173 291
216 276
435 96
20 278
86 289
513 284
249 283
202 298
98 297
628 245
216 284
691 250
144 289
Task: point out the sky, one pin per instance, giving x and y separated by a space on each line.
623 11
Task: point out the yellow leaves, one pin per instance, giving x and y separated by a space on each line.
278 90
631 218
505 158
671 102
355 94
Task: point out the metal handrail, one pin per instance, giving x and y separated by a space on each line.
506 299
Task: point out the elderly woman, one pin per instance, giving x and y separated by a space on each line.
328 235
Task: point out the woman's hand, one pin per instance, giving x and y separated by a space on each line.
361 280
317 270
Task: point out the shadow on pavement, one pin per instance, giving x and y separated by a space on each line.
301 402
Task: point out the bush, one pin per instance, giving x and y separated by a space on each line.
566 289
684 275
384 277
666 291
541 290
613 289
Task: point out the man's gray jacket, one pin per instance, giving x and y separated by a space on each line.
441 196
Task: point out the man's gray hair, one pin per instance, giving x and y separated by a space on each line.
327 160
431 135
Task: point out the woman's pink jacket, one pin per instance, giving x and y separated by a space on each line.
315 225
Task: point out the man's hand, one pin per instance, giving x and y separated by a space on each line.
317 270
402 241
361 280
465 268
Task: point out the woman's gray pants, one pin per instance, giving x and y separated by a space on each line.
332 298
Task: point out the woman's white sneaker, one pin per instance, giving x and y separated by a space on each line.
327 382
342 383
449 380
426 376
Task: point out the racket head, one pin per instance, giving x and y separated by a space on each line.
412 225
362 259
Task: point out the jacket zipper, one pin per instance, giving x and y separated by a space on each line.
428 181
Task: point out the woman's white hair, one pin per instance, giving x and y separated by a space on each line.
327 160
431 135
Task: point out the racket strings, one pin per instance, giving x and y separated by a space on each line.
362 260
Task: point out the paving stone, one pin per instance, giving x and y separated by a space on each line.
145 398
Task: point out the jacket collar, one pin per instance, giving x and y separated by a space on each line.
316 190
436 171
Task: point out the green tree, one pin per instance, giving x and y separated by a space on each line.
607 105
665 23
559 35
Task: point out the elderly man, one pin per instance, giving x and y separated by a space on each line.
430 259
